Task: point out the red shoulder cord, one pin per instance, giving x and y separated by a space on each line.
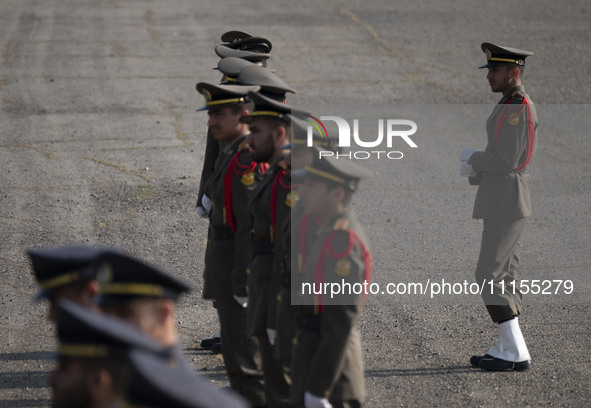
276 183
236 168
531 131
328 249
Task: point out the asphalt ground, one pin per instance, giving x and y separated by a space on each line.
100 143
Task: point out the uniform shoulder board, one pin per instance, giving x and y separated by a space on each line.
516 98
341 224
243 146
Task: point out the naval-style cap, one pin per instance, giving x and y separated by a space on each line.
124 278
223 95
498 54
224 51
55 268
344 172
234 35
82 333
303 127
231 68
157 384
271 85
240 40
270 108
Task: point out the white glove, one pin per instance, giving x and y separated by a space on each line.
466 154
466 170
242 301
206 202
312 401
272 335
202 213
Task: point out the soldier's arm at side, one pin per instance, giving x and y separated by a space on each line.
212 150
242 238
335 329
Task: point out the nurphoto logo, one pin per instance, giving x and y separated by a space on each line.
388 129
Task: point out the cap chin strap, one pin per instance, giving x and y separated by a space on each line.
60 280
514 61
223 101
324 174
132 289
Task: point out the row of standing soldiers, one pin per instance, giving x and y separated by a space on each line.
266 236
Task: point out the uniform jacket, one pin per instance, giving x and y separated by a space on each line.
327 358
269 208
228 249
503 192
288 272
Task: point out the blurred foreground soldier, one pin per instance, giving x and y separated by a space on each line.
228 189
93 358
157 384
65 273
270 205
503 202
144 296
327 366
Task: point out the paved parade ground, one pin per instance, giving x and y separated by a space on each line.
100 143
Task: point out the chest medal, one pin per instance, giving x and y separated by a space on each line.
291 198
248 179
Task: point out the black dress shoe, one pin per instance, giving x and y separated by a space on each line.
207 344
475 360
216 348
496 364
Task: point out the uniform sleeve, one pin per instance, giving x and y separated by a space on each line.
212 150
242 188
283 214
511 146
338 319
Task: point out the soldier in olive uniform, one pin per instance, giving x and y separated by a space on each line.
250 50
228 187
327 366
306 227
503 202
270 206
245 48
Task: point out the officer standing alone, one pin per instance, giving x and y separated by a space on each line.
503 202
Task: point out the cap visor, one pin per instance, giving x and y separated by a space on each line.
299 174
42 294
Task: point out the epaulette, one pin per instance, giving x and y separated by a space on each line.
516 98
341 224
244 145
